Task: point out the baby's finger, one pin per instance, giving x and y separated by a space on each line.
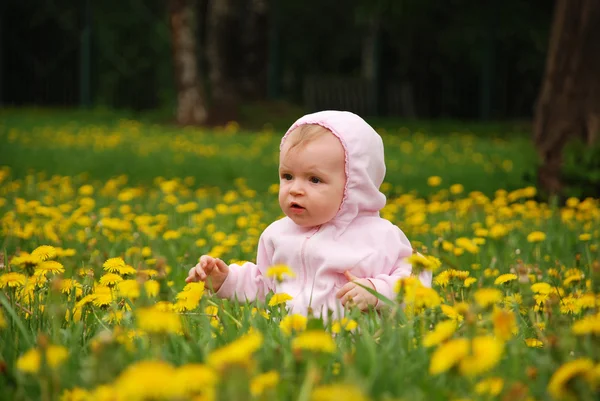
362 305
205 260
350 276
210 266
221 266
349 296
347 287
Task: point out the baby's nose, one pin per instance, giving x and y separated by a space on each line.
296 188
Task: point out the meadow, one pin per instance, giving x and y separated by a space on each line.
102 215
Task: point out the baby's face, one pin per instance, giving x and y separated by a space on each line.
312 179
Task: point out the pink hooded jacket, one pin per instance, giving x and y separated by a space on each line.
356 239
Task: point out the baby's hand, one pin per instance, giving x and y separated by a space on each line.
209 267
353 294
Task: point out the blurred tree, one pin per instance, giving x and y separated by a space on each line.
568 106
191 106
254 43
223 59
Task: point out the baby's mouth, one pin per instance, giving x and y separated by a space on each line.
296 206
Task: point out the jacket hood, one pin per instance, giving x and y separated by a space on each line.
365 164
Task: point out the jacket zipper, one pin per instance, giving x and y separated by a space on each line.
303 258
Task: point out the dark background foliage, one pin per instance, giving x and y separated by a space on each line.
458 59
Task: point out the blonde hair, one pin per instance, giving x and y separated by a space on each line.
304 134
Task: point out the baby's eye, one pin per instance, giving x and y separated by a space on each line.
286 176
315 180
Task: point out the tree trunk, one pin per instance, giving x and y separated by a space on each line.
568 105
370 61
223 57
191 106
254 42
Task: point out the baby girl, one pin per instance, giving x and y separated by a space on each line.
331 166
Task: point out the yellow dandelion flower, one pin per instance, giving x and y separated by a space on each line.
148 273
536 236
541 288
152 288
344 324
485 353
587 325
572 202
128 269
447 246
237 353
434 181
558 384
128 289
467 244
102 296
486 297
470 281
75 394
442 332
68 285
44 252
12 280
114 265
505 278
442 279
171 234
505 324
189 298
279 271
588 301
280 298
498 231
263 382
420 262
338 391
194 380
491 386
572 279
533 343
260 312
314 340
30 361
49 266
456 189
421 297
459 274
451 312
156 376
481 232
448 355
113 316
25 260
155 320
585 237
110 279
293 323
103 393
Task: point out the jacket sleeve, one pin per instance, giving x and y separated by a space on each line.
247 282
385 283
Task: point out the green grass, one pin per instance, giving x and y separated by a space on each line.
470 154
94 186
